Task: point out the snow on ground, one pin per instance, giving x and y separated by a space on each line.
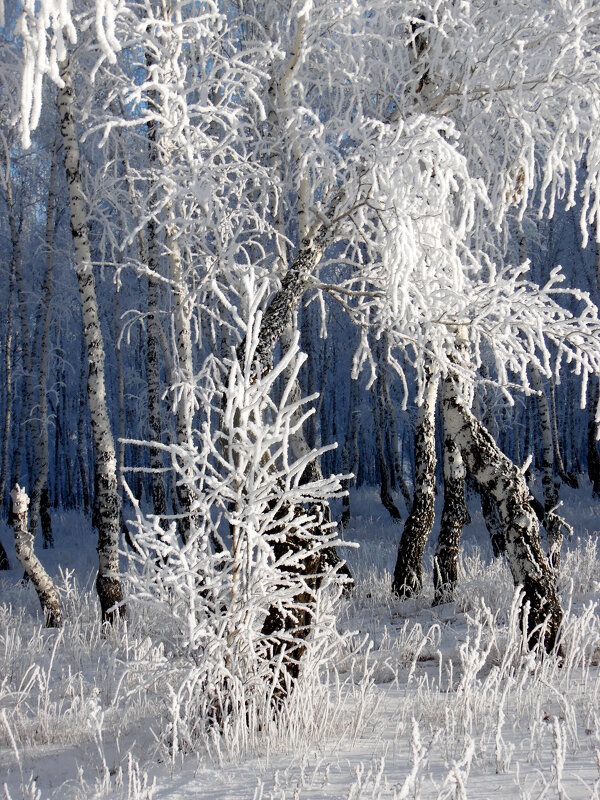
443 703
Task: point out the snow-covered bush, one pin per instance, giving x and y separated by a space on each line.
246 598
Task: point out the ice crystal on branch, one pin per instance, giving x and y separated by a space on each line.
249 594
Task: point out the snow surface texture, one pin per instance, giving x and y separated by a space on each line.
438 703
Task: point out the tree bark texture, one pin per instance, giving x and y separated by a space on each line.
408 572
549 484
506 484
455 516
107 502
30 562
492 521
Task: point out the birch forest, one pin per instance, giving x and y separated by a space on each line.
299 399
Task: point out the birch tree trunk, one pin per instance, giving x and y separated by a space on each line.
30 562
506 484
455 516
81 448
408 572
41 435
107 502
549 484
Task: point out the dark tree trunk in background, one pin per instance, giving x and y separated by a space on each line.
4 563
593 457
408 573
385 493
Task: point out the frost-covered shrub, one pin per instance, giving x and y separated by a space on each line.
246 602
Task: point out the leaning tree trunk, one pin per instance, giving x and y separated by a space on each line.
455 516
107 502
30 562
549 484
506 484
408 573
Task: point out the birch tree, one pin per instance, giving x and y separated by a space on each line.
107 501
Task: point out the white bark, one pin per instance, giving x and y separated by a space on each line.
455 515
30 562
506 484
549 484
107 500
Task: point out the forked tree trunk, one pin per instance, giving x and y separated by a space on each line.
549 484
506 484
30 562
408 573
107 502
455 516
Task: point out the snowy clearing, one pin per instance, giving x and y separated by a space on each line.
440 702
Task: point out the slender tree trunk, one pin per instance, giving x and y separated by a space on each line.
8 388
4 562
408 573
593 457
81 448
506 484
384 478
41 435
30 562
107 501
159 495
455 516
549 484
351 452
